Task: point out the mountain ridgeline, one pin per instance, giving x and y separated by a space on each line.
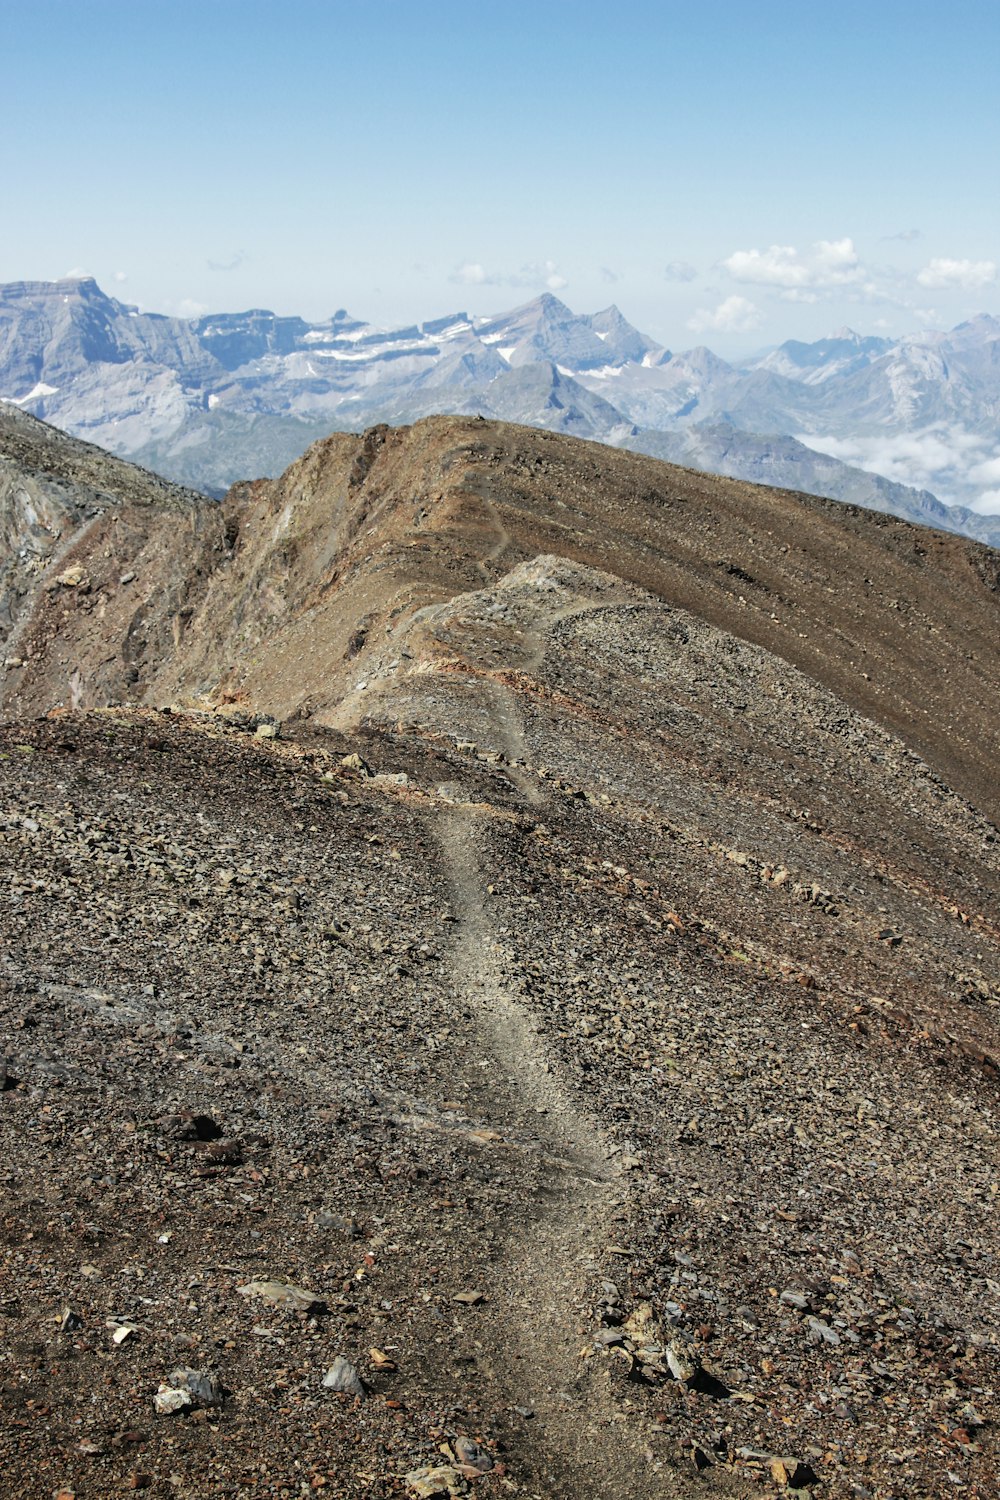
211 400
294 589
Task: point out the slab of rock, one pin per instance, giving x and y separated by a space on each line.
430 1481
282 1294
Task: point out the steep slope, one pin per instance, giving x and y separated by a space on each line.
333 557
92 550
721 448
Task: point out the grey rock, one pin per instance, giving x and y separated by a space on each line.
795 1299
822 1333
472 1454
343 1377
204 1387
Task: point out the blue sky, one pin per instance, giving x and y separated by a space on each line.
728 174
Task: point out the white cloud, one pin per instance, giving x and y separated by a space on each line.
121 276
734 315
236 259
988 503
988 472
187 307
969 275
473 274
76 274
533 273
948 460
800 275
680 270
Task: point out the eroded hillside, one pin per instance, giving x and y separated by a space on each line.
292 594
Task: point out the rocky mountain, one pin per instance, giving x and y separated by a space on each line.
62 499
720 448
500 971
209 400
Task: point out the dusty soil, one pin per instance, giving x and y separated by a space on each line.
567 1050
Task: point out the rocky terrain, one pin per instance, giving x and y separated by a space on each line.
499 985
210 400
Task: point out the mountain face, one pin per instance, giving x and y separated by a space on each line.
720 448
499 954
210 400
68 510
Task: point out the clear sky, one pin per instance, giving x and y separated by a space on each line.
728 173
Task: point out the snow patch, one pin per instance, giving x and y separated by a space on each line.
506 353
452 332
41 389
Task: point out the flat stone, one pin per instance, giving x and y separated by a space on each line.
430 1481
169 1400
282 1294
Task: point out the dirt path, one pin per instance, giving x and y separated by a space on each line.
535 1328
538 1300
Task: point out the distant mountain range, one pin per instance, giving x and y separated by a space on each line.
229 396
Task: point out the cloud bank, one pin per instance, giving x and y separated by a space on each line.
734 315
945 458
536 274
969 275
